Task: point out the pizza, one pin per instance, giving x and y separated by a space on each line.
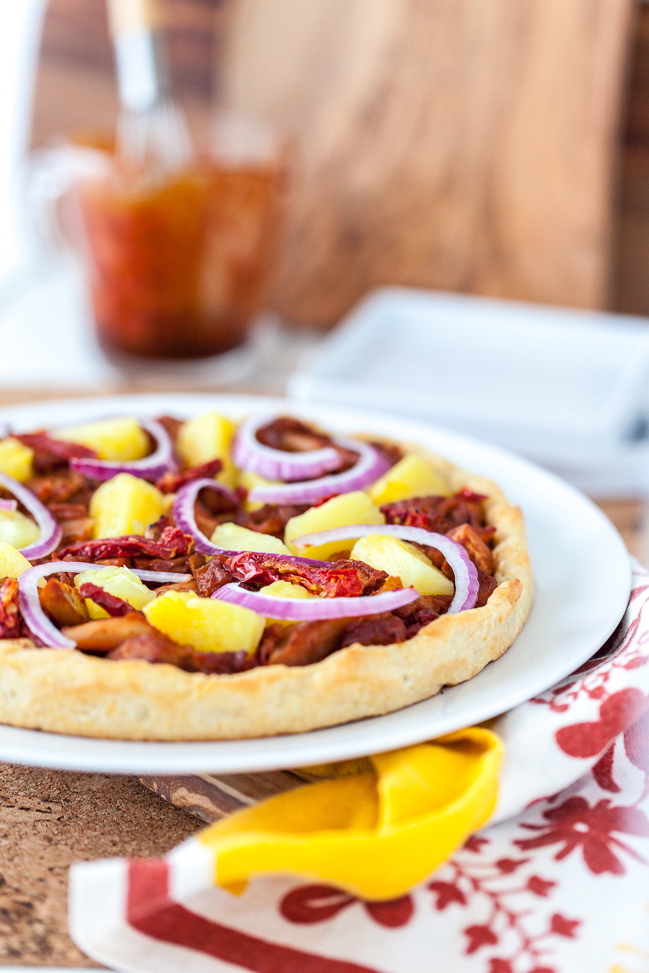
205 579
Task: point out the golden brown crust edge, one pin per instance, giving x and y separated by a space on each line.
67 692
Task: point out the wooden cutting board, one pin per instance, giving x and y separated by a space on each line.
467 145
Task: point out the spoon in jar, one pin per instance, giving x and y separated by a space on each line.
152 133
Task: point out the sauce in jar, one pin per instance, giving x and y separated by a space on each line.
177 263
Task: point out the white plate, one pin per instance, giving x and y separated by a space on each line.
582 575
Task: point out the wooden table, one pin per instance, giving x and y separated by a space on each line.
49 819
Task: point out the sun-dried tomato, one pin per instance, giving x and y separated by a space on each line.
173 543
330 496
61 487
50 454
437 514
172 482
212 576
111 604
10 617
343 579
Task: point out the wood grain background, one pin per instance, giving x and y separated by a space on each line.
321 274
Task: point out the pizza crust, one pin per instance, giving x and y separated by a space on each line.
66 691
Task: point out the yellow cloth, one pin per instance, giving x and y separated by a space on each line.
376 833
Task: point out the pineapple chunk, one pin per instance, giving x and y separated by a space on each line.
125 505
12 562
232 537
412 476
348 508
248 480
17 529
116 581
204 438
207 624
15 459
119 439
284 589
404 561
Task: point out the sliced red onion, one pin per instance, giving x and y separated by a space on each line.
51 531
464 570
312 609
151 467
279 464
161 577
183 510
370 466
35 618
30 605
10 505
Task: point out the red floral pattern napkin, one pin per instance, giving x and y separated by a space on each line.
558 882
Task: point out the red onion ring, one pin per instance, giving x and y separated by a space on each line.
10 505
312 609
464 570
278 464
150 467
183 511
30 605
370 466
51 531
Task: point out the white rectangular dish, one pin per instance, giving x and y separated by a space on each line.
567 388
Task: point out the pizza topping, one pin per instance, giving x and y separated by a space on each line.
351 599
103 635
421 612
151 467
436 513
35 618
376 630
301 645
184 515
51 454
50 530
10 620
474 545
371 464
313 609
295 457
343 578
464 570
62 603
173 543
271 518
172 482
112 604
